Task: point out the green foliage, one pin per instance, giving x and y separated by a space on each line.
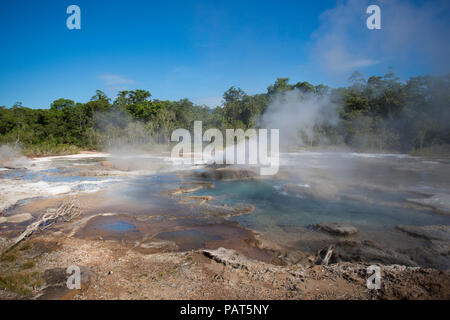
432 151
380 113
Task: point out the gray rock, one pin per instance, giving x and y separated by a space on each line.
337 228
439 202
225 174
56 282
437 235
434 232
227 257
366 252
59 276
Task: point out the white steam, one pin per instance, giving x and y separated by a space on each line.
411 35
299 117
11 157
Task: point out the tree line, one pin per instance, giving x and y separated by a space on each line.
379 113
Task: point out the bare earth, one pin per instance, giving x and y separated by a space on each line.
128 269
113 270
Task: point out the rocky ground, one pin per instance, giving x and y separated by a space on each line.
157 269
36 269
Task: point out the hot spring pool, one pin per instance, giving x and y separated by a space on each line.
274 206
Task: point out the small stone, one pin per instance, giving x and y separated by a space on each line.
337 228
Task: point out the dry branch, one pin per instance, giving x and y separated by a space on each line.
327 257
68 210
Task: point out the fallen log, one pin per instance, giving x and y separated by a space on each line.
327 257
68 210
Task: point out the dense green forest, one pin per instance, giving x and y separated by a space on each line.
381 113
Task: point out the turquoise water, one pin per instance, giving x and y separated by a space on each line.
273 206
118 226
49 175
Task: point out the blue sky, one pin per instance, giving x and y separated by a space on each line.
198 49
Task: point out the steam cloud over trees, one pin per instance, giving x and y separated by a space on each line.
380 113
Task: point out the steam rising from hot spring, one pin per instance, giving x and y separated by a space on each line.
11 156
300 116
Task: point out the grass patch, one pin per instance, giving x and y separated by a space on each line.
49 149
10 256
26 246
21 283
28 265
170 272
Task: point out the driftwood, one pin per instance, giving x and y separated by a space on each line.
327 257
68 210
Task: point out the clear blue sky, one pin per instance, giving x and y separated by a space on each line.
198 49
